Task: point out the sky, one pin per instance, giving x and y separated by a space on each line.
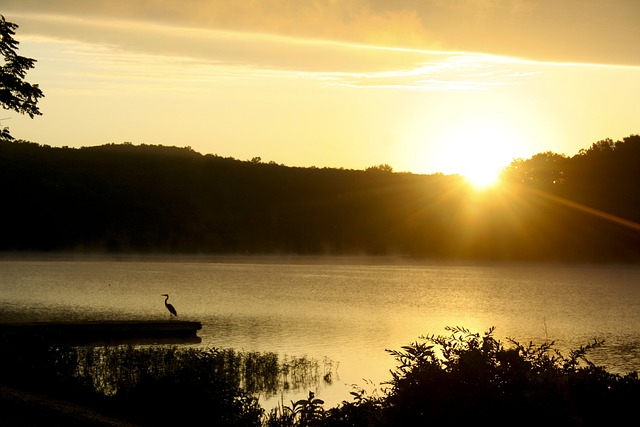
425 86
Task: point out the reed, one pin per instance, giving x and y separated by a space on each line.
124 378
460 378
110 369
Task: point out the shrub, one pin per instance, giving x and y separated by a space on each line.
469 378
461 378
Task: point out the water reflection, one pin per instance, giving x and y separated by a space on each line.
349 313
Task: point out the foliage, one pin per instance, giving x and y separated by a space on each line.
159 383
308 411
15 93
468 378
380 168
474 378
302 413
366 409
153 199
602 177
460 378
189 391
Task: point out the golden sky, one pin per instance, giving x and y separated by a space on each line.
423 85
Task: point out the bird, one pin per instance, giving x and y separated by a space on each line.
170 307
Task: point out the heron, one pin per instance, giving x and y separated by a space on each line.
170 307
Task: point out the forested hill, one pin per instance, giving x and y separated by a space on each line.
154 199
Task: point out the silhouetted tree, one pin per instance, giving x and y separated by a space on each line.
382 168
123 197
541 169
15 92
604 146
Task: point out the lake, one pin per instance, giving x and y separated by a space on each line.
348 310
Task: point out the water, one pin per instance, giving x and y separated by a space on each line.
348 310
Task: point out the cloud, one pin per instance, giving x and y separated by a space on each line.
154 55
588 31
217 46
445 72
347 21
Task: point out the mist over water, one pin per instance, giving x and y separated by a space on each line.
346 310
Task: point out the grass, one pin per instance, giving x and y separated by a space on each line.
459 378
120 379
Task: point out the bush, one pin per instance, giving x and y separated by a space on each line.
148 385
465 378
192 389
461 378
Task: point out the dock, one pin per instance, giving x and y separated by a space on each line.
101 333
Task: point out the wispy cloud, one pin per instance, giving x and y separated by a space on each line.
588 31
163 57
445 71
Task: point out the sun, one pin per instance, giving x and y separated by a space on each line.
478 149
482 178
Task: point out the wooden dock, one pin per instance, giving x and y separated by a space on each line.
101 333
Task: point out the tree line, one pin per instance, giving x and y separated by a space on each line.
159 199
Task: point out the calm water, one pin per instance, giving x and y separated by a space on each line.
346 309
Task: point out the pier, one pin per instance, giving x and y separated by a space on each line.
101 333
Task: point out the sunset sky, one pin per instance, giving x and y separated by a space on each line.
423 85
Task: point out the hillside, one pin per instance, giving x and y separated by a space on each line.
155 199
